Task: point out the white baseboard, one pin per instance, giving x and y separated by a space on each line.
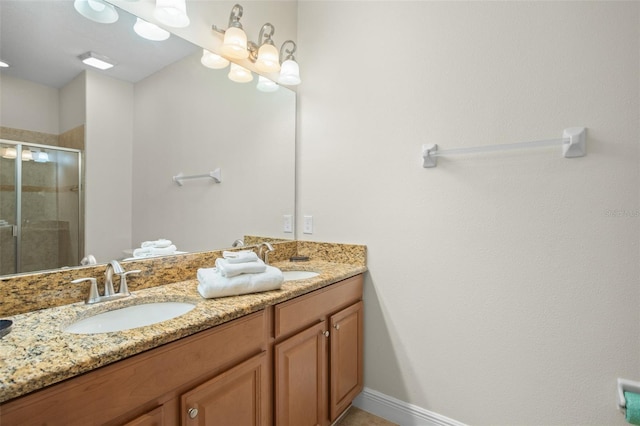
400 412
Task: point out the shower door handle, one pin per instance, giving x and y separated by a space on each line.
14 230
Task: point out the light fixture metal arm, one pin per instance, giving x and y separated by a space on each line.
234 17
267 31
288 52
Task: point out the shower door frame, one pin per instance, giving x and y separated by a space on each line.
17 233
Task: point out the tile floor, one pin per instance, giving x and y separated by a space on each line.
358 417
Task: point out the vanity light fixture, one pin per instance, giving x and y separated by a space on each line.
211 60
234 45
96 10
264 55
266 85
97 61
150 31
172 13
290 70
239 74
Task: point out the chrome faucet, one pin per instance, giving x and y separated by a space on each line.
264 255
113 267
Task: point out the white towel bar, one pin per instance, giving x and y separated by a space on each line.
215 175
626 385
573 143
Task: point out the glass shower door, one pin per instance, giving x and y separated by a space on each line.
41 219
50 214
8 238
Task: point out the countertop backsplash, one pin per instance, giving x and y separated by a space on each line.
30 292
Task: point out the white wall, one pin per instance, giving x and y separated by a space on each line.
109 136
193 119
28 105
502 288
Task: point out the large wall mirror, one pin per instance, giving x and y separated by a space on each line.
158 113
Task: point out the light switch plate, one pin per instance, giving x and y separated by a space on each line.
307 227
287 223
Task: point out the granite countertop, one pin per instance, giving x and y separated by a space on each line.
38 353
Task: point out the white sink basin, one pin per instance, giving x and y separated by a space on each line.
130 317
298 275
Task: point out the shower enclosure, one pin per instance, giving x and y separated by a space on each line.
41 200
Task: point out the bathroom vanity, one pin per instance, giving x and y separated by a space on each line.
286 357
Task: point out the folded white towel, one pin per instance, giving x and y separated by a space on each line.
153 251
161 243
228 269
240 256
212 284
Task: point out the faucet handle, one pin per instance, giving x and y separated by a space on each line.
94 296
124 289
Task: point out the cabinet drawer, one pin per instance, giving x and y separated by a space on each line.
303 311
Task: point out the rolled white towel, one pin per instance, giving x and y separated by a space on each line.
212 284
227 269
160 243
153 251
240 256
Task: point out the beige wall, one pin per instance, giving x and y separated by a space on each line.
27 105
503 287
73 103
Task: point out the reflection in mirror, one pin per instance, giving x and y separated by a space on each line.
156 114
40 207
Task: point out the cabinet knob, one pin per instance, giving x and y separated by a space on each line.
337 326
193 413
326 333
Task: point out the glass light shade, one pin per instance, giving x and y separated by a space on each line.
239 74
9 152
150 31
40 157
96 10
290 73
172 13
235 44
266 85
4 64
211 60
268 58
26 155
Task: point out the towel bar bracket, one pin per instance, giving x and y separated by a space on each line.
574 142
429 159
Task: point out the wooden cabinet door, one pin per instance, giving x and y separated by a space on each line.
235 397
152 418
301 378
345 379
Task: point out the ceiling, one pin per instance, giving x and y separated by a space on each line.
41 40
